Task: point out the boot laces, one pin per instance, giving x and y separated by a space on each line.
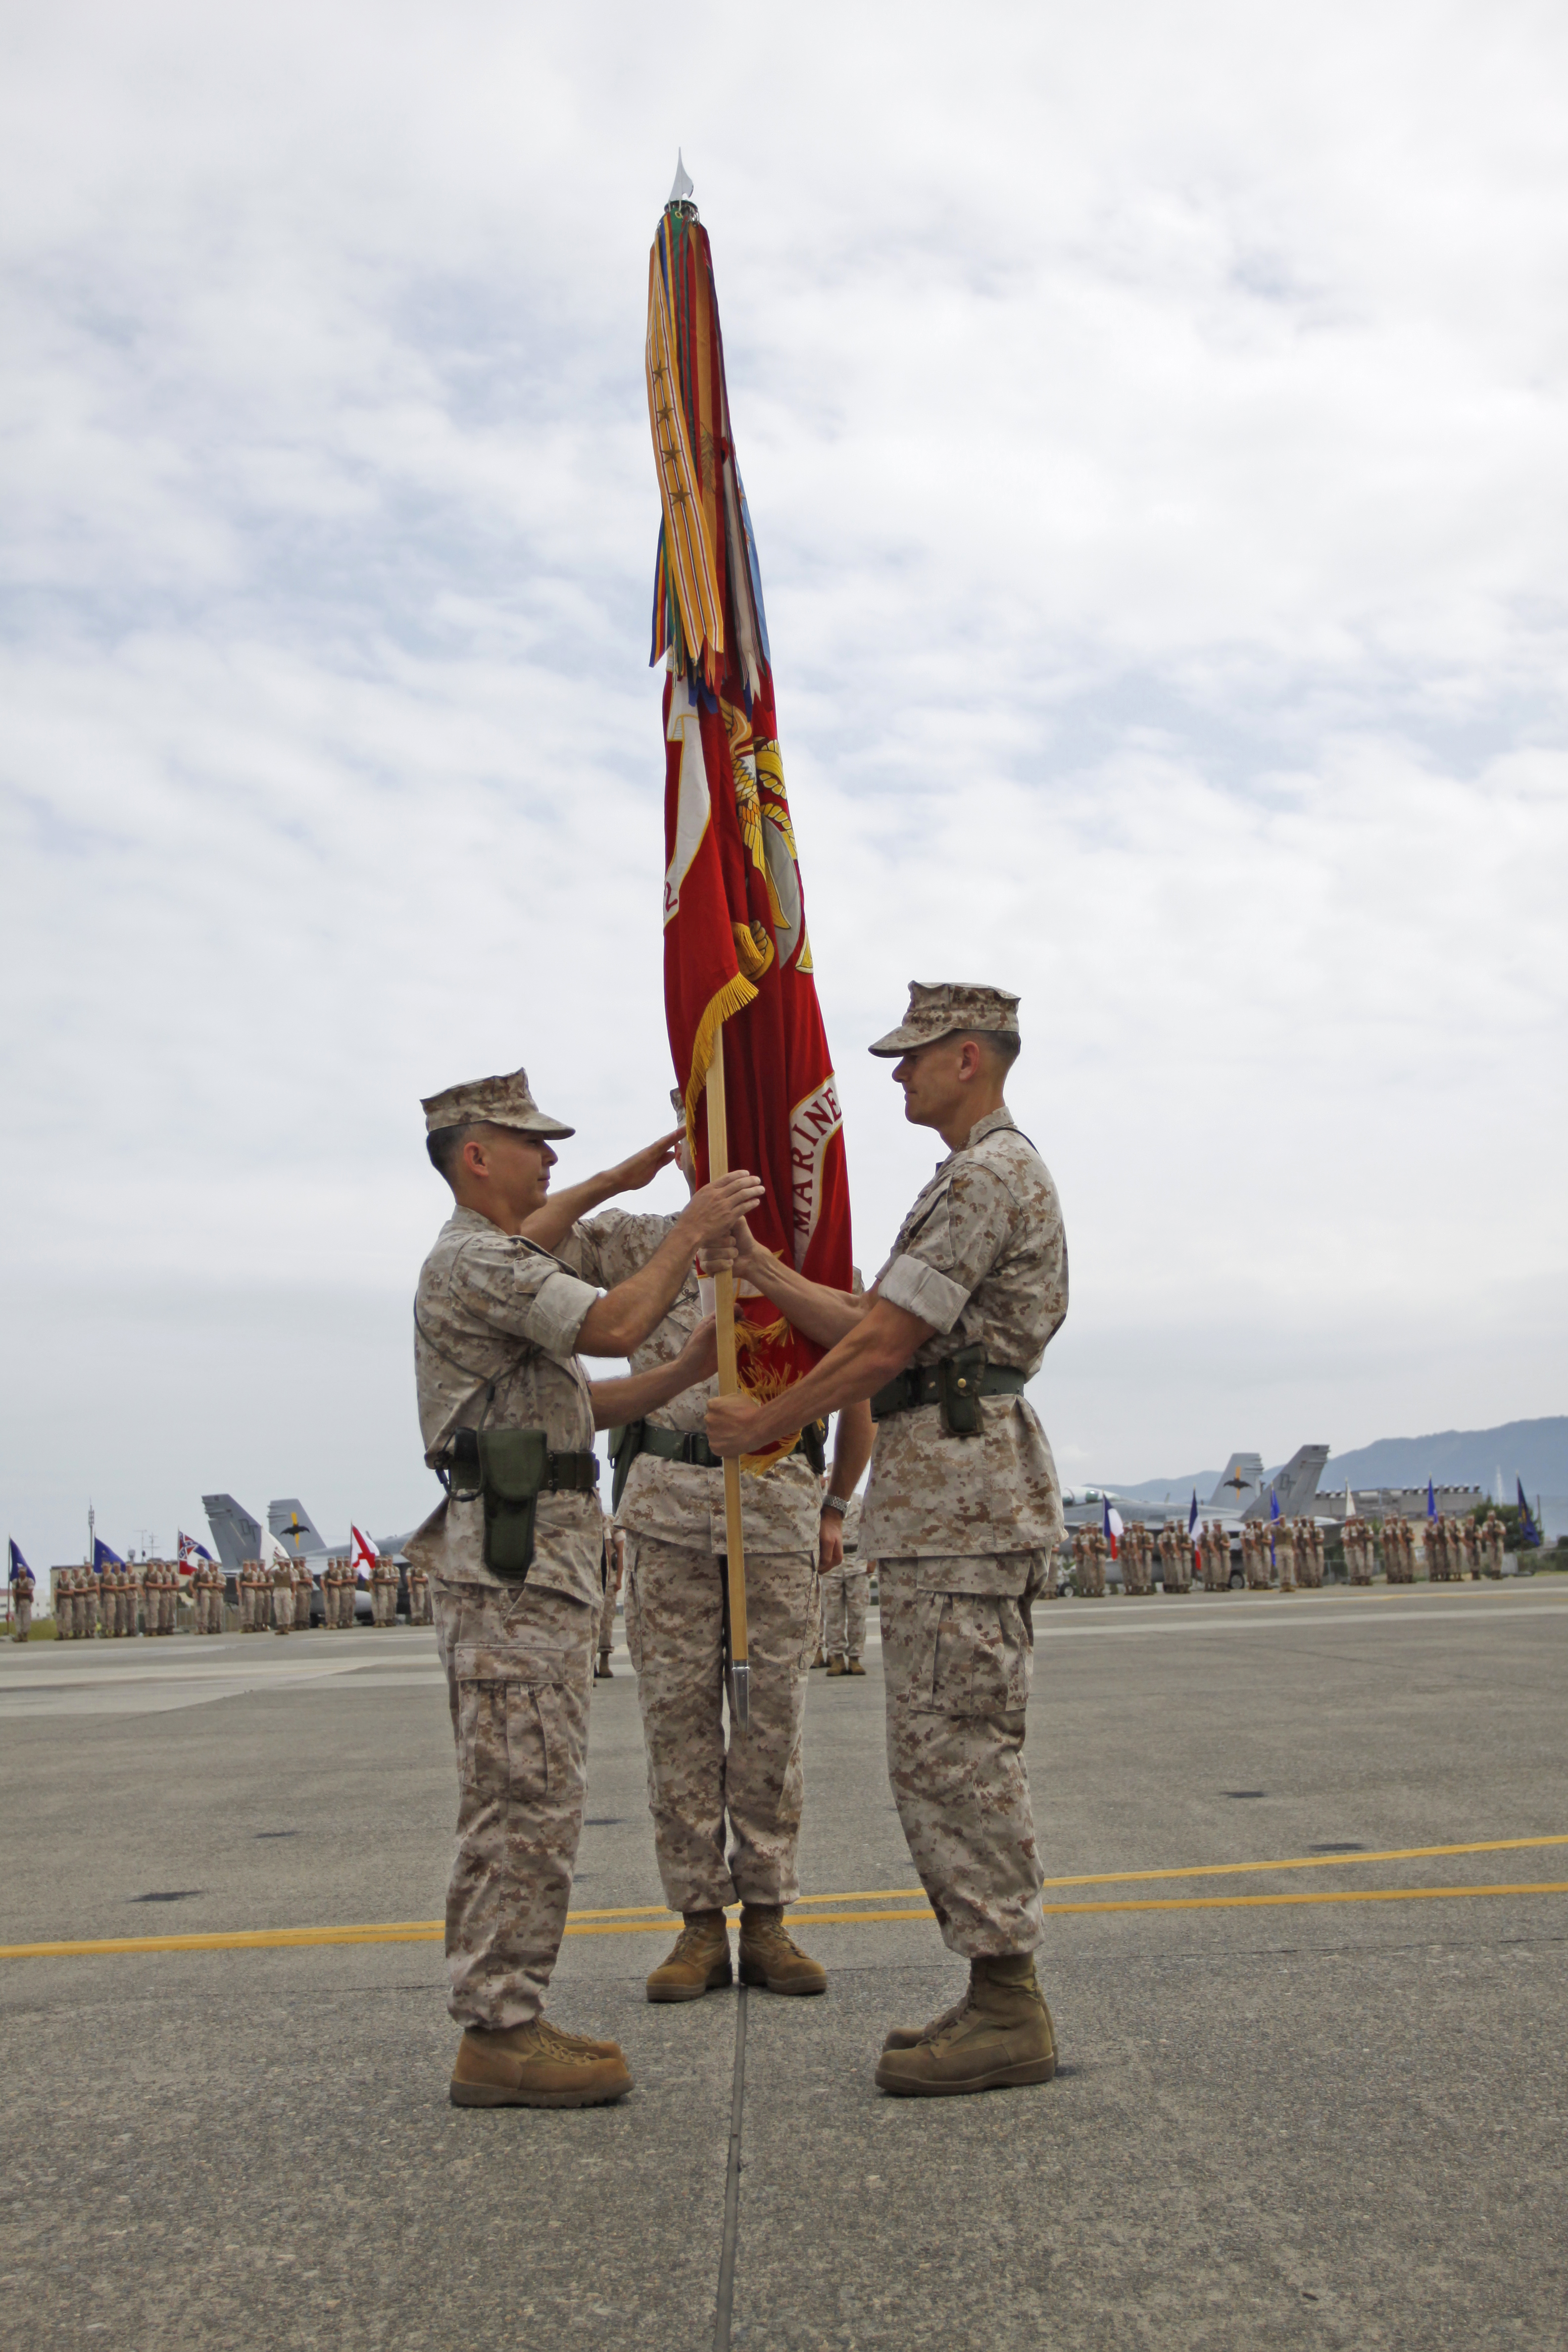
774 1932
569 2049
948 2018
695 1935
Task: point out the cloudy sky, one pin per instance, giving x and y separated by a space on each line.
1153 421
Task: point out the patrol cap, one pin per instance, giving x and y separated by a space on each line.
500 1102
942 1008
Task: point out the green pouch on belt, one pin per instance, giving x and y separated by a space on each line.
513 1466
625 1445
961 1378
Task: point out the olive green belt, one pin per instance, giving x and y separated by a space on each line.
933 1383
690 1447
564 1473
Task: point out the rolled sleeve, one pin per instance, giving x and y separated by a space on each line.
556 1312
920 1290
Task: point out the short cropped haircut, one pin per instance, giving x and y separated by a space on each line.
445 1145
1000 1048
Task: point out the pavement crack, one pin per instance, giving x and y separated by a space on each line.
725 2309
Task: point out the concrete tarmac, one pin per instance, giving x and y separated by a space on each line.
1340 2122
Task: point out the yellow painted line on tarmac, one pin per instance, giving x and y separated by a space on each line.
253 1939
1198 1903
654 1919
1197 1870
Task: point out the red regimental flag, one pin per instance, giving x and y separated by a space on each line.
737 957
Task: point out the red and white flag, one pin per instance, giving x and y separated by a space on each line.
738 971
364 1554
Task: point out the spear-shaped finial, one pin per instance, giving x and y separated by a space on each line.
684 189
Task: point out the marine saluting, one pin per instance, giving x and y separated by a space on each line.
512 1554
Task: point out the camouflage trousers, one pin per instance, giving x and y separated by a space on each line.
675 1631
607 1614
958 1666
843 1612
519 1666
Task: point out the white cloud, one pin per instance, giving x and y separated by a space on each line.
1155 427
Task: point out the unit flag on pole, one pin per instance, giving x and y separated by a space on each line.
737 955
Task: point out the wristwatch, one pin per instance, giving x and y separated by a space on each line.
839 1502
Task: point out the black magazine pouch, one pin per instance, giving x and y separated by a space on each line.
961 1379
513 1465
625 1445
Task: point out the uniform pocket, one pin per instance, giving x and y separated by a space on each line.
512 1732
976 1653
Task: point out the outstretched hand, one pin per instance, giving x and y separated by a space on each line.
730 1420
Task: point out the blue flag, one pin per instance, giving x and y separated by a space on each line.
18 1566
104 1556
1193 1514
1529 1533
1273 1504
1431 1501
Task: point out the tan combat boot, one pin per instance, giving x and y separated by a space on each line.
537 2065
854 1668
770 1954
699 1963
836 1666
820 1660
904 2037
1000 2035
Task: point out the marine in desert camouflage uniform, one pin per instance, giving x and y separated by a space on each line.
22 1587
282 1597
726 1814
498 1322
614 1569
962 1526
845 1585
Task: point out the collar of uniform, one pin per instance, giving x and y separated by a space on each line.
988 1125
474 1221
982 1127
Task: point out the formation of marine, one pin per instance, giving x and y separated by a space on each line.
153 1597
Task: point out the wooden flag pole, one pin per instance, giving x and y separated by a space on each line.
728 1385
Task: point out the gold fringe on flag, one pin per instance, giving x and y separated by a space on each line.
733 997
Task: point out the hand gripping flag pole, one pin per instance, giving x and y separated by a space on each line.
746 1034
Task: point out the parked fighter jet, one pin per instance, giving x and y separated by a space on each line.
290 1534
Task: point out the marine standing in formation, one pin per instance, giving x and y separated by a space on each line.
508 1417
963 1513
846 1578
726 1816
22 1587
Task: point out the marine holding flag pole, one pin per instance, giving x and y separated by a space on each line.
745 1029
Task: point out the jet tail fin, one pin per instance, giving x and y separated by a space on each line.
236 1535
1241 1482
294 1527
1297 1484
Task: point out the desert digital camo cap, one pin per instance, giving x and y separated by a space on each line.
939 1008
503 1102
